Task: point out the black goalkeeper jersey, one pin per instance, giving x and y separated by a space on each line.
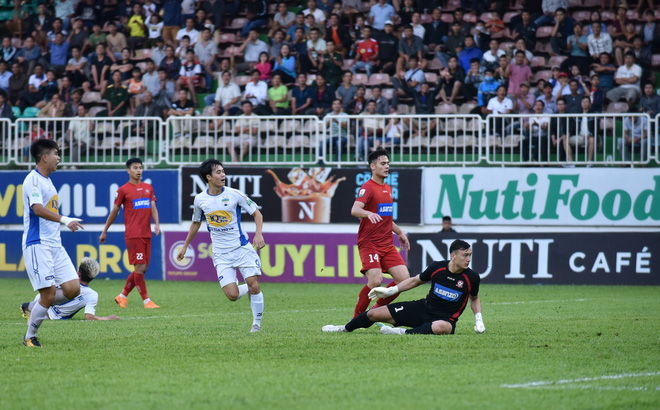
449 293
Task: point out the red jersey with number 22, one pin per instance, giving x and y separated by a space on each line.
136 200
377 199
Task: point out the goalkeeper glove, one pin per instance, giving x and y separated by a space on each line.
66 220
381 292
479 323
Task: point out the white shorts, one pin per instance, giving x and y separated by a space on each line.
48 265
244 258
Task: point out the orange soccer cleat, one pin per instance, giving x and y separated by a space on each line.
121 301
151 305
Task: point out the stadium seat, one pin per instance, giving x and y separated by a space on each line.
360 78
512 141
431 78
655 60
275 141
466 141
227 38
208 111
242 80
442 141
204 142
347 64
309 126
388 93
94 110
180 143
538 62
104 128
556 61
435 65
452 5
30 112
237 23
378 79
589 4
544 32
418 141
299 141
147 53
289 127
506 44
91 97
16 111
617 107
268 126
606 16
139 54
634 16
142 66
573 4
470 18
581 15
544 74
134 144
508 16
426 19
445 108
403 109
454 125
465 108
486 16
447 18
110 143
17 42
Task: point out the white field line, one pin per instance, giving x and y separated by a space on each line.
601 388
535 301
548 383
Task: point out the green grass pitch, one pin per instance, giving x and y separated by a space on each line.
553 347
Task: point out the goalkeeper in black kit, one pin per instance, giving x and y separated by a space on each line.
452 284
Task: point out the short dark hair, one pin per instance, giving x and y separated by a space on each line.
474 60
562 99
42 147
246 102
373 157
132 161
563 10
446 218
207 168
459 245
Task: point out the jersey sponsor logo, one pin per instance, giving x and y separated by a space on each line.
218 218
386 209
225 201
361 193
50 277
446 293
141 203
53 204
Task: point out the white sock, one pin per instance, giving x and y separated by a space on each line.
121 295
257 305
36 317
36 300
242 290
147 300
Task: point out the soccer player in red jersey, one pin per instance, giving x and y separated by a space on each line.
374 206
139 202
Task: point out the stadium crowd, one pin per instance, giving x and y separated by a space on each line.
67 58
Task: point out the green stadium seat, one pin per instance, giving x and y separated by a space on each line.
30 112
16 111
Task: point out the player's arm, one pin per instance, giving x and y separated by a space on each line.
42 212
194 228
154 215
382 292
89 316
358 211
108 222
475 305
403 239
258 241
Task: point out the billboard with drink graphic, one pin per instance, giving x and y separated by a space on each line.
312 195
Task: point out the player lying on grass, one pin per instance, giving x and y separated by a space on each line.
87 299
452 283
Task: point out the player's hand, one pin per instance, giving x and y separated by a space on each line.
405 243
102 237
258 242
374 217
479 326
382 292
72 223
182 253
113 317
157 230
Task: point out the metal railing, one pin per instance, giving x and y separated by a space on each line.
569 139
251 140
91 140
338 140
412 139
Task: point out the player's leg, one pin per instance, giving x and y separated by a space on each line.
229 283
437 327
250 268
139 258
374 279
122 298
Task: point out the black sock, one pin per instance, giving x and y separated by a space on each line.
423 329
362 321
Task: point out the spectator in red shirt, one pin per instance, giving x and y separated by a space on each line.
366 53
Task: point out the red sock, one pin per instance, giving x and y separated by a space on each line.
363 301
386 301
130 284
141 286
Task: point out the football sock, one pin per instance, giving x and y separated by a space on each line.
423 329
36 317
147 300
37 299
242 290
257 305
388 300
130 284
359 322
363 301
141 286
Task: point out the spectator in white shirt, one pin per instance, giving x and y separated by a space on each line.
627 77
188 30
256 91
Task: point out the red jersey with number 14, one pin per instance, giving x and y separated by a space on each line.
136 200
377 199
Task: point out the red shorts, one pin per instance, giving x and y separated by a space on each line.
139 250
384 258
195 80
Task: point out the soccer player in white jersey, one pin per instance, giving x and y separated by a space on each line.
46 261
87 299
221 207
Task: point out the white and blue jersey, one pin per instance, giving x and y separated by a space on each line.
87 299
38 189
223 217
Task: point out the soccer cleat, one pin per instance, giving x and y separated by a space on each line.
333 328
121 301
32 342
151 305
255 328
26 310
389 330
